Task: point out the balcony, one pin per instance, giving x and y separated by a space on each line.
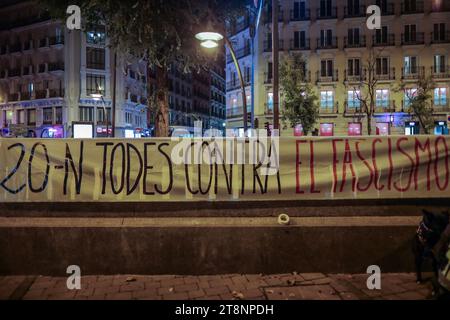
43 43
352 12
25 96
412 7
385 74
14 73
330 43
267 45
324 78
352 107
413 73
379 41
240 53
41 94
417 38
441 107
385 106
300 15
358 42
56 41
300 45
27 71
56 93
440 37
329 108
28 45
323 13
233 85
15 49
440 73
13 97
235 112
353 76
56 67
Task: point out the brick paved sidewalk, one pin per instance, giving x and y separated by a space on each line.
311 286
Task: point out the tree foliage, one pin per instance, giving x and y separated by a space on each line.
300 101
420 101
162 32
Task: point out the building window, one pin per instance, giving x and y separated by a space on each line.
410 33
270 102
382 98
354 68
353 36
381 35
48 115
326 38
353 98
439 64
96 36
95 58
355 129
95 84
31 117
382 66
101 115
58 115
440 96
86 114
439 32
327 99
410 65
326 68
21 117
409 96
128 118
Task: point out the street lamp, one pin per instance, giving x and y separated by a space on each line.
97 97
211 40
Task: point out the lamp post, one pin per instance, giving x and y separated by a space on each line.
97 97
210 40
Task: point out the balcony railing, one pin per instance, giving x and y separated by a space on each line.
412 72
300 15
412 6
235 112
385 106
329 108
331 43
58 66
379 41
443 37
358 42
240 53
41 94
353 76
56 41
300 45
322 13
334 77
233 85
15 48
442 72
42 68
352 107
413 39
441 107
13 97
25 96
385 75
14 73
268 45
352 12
56 93
43 43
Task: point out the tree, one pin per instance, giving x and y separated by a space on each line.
159 31
420 100
366 94
300 101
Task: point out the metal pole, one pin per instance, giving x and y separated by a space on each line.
275 61
238 69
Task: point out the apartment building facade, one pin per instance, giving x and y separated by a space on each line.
51 77
332 36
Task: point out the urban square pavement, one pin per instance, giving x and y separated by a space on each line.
308 286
